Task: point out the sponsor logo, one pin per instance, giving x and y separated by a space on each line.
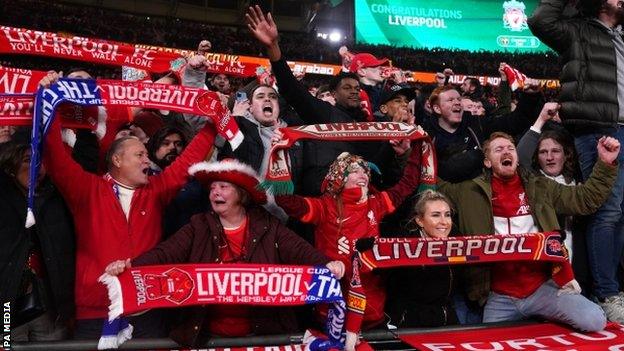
344 248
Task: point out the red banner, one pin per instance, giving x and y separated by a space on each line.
542 336
141 288
16 110
161 59
19 81
32 42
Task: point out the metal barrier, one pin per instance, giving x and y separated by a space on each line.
385 337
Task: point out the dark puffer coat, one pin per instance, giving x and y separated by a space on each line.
589 74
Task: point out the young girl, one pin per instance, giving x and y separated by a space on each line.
349 210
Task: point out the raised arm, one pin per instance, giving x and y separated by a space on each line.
176 175
305 209
65 173
309 108
528 143
586 198
411 177
519 120
547 23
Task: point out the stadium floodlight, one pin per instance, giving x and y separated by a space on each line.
335 36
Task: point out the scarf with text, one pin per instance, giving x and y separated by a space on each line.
147 58
278 178
17 88
166 286
396 252
374 253
89 92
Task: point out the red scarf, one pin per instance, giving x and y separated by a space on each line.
395 252
278 178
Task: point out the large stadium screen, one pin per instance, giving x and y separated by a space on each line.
491 25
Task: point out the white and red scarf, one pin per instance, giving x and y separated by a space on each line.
278 179
172 286
398 252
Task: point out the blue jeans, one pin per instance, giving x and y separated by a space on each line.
572 309
467 313
605 232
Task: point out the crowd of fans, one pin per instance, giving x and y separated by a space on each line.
171 32
158 187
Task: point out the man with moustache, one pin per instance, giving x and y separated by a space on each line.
165 145
592 104
517 201
163 148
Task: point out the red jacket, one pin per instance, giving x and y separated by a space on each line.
103 234
335 235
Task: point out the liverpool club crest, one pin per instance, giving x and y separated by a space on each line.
514 18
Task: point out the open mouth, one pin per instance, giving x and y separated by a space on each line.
361 183
145 171
267 110
219 202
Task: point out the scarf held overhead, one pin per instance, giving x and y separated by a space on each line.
17 101
89 92
148 58
395 252
278 178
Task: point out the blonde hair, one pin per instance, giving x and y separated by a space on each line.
426 197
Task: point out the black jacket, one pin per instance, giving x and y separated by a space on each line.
318 156
251 151
54 232
421 296
589 74
460 155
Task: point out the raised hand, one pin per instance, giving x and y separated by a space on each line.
501 71
263 28
197 61
277 137
400 146
51 78
203 47
608 149
241 107
337 268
